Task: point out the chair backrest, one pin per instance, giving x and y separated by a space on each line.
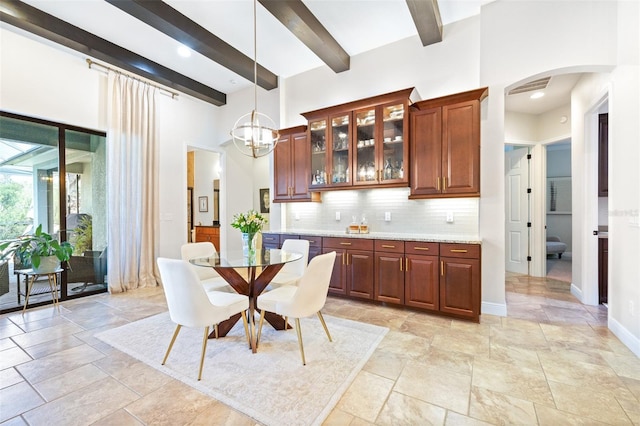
296 267
313 287
199 250
186 298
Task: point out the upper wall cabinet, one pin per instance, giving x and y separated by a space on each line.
291 166
360 144
445 146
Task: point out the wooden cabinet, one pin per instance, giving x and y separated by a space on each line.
270 241
603 270
603 155
353 269
361 143
422 275
389 279
208 233
291 166
315 245
445 146
460 280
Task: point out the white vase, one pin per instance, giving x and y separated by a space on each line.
47 265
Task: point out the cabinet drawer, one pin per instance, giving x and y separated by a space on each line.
468 251
271 238
416 247
389 246
313 240
288 237
347 243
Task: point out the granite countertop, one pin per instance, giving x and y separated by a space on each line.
462 239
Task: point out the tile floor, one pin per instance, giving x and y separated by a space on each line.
552 361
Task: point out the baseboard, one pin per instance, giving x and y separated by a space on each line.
577 292
498 309
625 336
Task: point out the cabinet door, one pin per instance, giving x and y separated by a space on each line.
366 170
422 282
426 151
340 158
319 159
299 177
338 284
360 274
282 169
460 287
389 278
461 148
393 157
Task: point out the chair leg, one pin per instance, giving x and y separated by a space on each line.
173 339
260 327
204 349
300 340
326 330
246 326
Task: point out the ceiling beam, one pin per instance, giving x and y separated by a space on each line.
303 24
169 21
426 16
35 21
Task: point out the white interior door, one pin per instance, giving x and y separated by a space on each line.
517 214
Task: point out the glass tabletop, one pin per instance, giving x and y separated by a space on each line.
238 259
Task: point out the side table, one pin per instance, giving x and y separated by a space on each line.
30 277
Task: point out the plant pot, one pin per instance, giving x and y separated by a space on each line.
47 265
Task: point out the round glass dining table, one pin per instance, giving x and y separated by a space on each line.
261 267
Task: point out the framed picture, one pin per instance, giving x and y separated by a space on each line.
559 195
265 200
203 203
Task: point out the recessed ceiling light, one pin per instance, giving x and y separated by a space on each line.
184 51
537 95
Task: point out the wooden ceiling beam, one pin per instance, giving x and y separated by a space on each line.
426 16
35 21
294 15
169 21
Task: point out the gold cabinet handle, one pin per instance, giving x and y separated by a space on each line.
401 265
345 244
421 248
458 251
311 242
388 246
406 264
444 184
438 183
343 259
442 268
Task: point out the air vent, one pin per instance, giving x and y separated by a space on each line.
531 86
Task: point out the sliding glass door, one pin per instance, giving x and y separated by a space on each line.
53 175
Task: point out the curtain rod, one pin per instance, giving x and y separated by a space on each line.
163 90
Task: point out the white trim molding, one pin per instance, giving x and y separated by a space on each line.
625 336
490 308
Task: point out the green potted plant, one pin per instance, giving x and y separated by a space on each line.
40 250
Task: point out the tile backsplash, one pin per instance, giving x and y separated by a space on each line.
407 216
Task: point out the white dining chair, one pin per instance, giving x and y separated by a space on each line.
303 300
291 272
208 277
191 306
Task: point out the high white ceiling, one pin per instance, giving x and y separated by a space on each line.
357 25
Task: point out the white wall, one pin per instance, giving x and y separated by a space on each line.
509 42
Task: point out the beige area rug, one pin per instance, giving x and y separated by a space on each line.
271 386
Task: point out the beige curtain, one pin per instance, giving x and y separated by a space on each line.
132 176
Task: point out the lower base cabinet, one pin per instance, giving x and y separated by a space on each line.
438 277
422 275
353 269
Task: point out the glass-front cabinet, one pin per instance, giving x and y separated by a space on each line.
381 148
362 143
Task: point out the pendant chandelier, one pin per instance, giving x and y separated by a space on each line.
255 134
